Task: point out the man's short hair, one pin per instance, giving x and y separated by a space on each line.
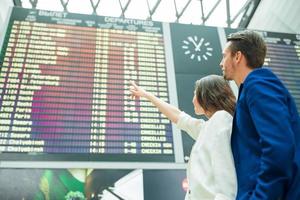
251 45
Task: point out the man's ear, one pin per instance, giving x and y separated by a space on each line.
238 56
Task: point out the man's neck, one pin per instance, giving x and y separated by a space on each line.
243 73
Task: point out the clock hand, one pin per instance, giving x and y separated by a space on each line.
199 45
192 40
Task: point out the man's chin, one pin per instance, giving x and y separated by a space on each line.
226 77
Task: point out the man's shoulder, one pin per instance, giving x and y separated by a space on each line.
260 74
262 77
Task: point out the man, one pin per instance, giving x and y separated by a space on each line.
266 126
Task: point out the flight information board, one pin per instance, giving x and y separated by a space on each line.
64 88
283 58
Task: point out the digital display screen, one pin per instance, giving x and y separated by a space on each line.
283 58
64 88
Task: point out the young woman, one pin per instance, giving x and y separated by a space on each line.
210 172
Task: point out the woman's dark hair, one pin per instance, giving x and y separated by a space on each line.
214 93
252 46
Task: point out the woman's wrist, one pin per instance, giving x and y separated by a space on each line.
148 95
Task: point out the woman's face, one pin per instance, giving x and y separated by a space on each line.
197 108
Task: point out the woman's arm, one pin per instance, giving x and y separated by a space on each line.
170 111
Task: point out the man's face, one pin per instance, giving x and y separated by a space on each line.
227 63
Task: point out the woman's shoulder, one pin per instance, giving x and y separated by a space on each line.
221 117
221 122
222 114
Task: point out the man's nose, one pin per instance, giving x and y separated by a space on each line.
221 63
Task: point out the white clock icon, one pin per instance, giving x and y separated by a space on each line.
196 48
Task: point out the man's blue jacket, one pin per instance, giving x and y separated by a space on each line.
266 139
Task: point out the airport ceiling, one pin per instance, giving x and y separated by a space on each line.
224 13
277 16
